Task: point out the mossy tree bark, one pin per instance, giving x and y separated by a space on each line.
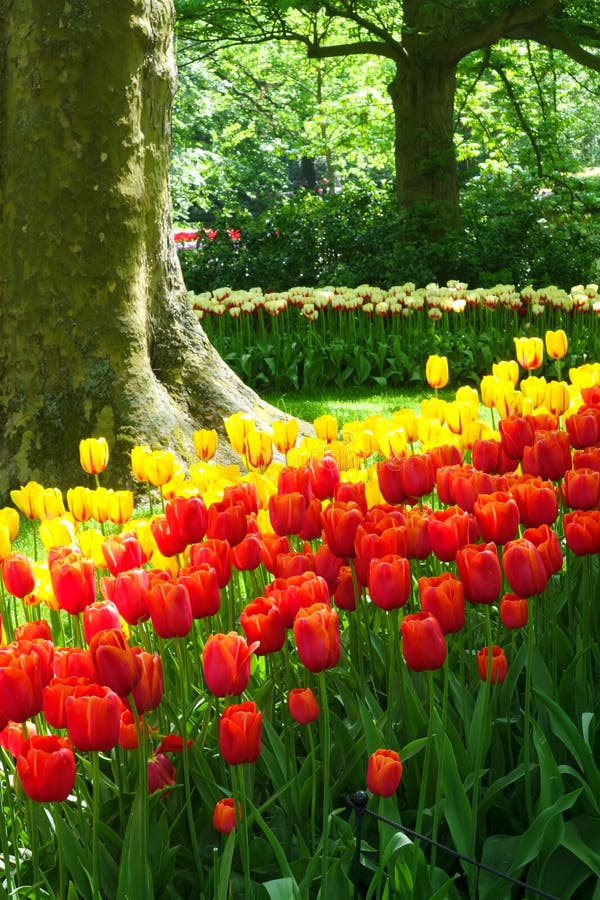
96 335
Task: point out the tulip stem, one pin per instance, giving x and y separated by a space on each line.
479 748
527 712
238 776
325 755
143 788
183 682
313 798
95 816
34 847
427 760
441 762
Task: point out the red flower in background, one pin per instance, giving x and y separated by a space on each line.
46 768
224 815
226 664
263 623
479 570
240 729
340 523
303 705
93 714
499 664
497 516
423 644
443 596
384 773
582 531
170 609
316 632
17 574
514 611
389 581
524 568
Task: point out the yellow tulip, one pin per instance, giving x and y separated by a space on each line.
93 455
100 505
90 542
285 434
159 467
433 408
238 426
43 591
558 397
534 388
392 441
9 517
556 344
529 352
489 386
138 461
205 443
407 420
436 371
48 504
258 448
120 506
80 501
25 497
265 486
459 416
5 545
57 533
506 370
326 428
466 394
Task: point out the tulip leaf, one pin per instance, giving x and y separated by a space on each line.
564 728
225 867
457 809
135 874
549 820
281 889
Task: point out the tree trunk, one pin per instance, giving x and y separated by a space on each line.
96 334
422 93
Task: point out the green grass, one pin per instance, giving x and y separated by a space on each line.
352 404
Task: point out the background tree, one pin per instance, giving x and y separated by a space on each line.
425 42
96 333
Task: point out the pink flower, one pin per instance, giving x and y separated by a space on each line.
210 233
234 233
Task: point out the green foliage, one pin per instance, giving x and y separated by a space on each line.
513 232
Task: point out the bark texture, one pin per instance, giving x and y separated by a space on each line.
96 335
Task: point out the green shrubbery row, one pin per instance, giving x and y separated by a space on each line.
511 232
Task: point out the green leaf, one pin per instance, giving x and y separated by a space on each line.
135 873
457 809
225 867
532 840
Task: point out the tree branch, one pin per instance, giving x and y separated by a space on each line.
544 33
377 48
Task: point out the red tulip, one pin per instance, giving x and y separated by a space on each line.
287 512
216 553
389 581
147 693
344 591
445 455
324 476
227 523
93 717
128 592
20 685
100 616
524 568
497 516
327 565
581 488
224 815
74 661
582 531
74 582
303 705
443 596
55 694
292 480
583 428
187 518
293 564
316 632
168 542
14 735
161 773
417 475
490 456
548 546
384 773
46 768
170 609
499 664
466 484
340 523
449 529
423 644
242 494
390 482
17 574
247 555
202 586
479 570
311 529
263 623
123 552
240 728
549 457
536 500
514 611
117 665
40 628
516 433
352 492
226 664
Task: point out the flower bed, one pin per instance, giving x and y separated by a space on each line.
308 338
192 702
